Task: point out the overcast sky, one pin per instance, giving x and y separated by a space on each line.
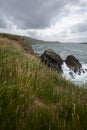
61 20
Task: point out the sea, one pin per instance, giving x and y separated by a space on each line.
64 49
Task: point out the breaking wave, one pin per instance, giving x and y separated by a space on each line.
75 77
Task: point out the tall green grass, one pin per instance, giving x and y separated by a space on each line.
33 97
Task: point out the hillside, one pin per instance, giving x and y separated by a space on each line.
33 97
20 40
35 41
84 43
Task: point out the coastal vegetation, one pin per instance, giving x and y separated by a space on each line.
32 96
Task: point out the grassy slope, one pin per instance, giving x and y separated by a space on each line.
32 97
20 40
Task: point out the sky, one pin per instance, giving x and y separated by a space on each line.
52 20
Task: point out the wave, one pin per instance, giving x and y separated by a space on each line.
75 77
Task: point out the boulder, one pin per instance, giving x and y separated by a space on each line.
52 60
74 64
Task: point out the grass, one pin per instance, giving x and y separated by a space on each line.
18 39
33 97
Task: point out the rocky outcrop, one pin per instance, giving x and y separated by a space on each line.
52 60
74 64
55 62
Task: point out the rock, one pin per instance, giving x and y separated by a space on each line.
85 69
73 64
52 60
71 74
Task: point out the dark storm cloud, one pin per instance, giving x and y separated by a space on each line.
32 13
39 17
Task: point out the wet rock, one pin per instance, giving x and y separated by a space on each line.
71 74
52 60
74 64
85 69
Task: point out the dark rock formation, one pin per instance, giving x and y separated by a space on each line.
71 74
73 64
52 60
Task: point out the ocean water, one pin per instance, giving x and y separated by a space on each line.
65 49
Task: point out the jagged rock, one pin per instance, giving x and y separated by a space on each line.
85 69
52 60
71 74
74 64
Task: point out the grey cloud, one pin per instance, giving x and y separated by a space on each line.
2 23
32 13
39 14
82 27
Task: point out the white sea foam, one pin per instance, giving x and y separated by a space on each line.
75 77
